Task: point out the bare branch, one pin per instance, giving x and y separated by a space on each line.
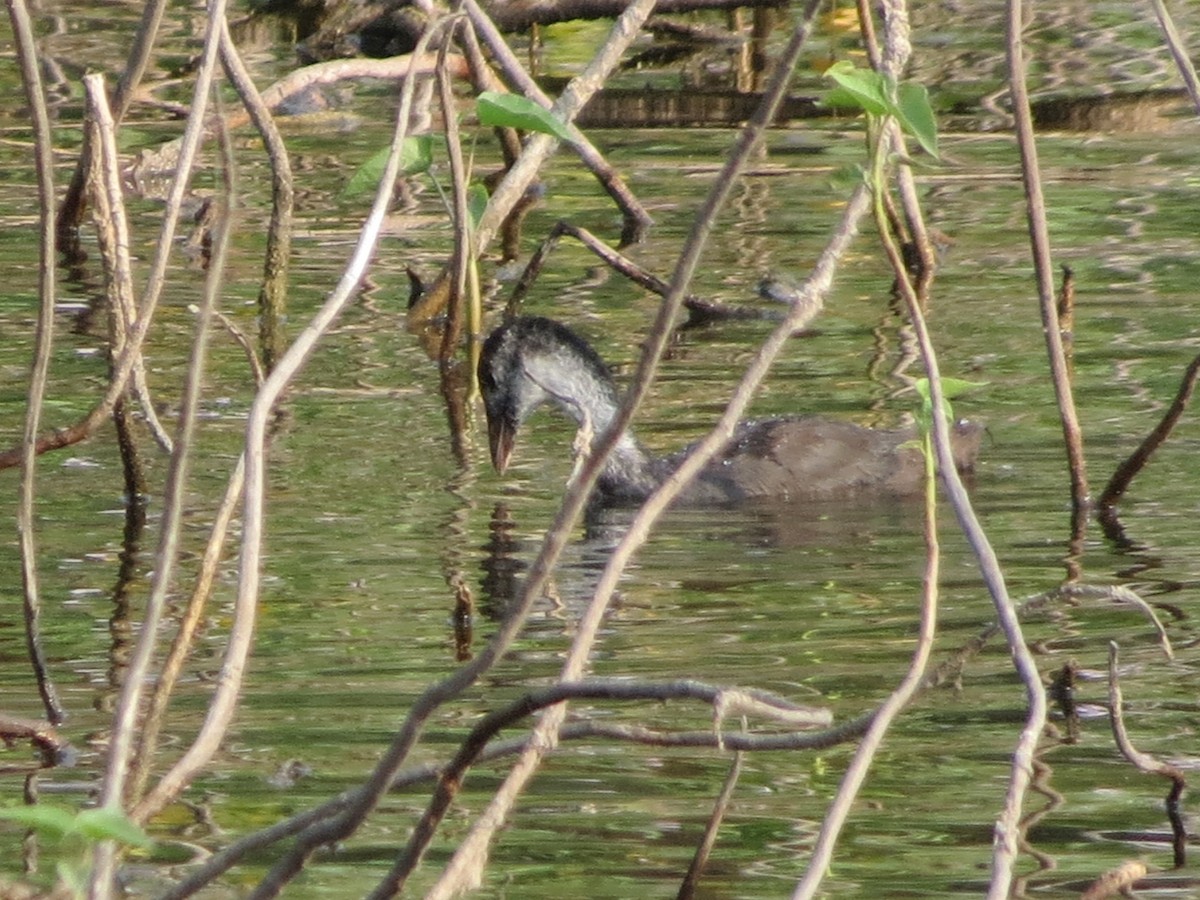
1129 469
1144 762
26 454
1178 51
465 866
1039 236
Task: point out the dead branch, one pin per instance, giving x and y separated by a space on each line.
615 260
1144 762
465 866
451 778
272 295
140 53
53 749
1115 881
26 454
1179 52
1039 236
393 68
112 236
687 888
637 220
1129 469
463 254
245 611
523 14
120 775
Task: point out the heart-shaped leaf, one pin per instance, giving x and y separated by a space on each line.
514 111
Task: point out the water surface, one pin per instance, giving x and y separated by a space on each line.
372 520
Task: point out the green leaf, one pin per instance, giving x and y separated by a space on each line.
108 823
416 156
49 820
514 111
916 115
951 388
847 178
857 88
477 201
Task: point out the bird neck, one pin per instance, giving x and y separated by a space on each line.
591 400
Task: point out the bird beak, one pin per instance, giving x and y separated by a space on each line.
501 437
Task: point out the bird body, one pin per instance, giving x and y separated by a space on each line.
532 361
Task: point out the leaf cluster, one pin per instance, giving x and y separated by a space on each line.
493 109
879 96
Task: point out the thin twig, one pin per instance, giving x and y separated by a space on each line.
333 71
615 260
637 220
687 888
27 54
897 51
228 857
450 779
462 256
1007 827
151 291
910 685
140 53
1179 52
1039 236
1144 762
112 236
114 789
272 295
567 106
1129 469
465 866
245 610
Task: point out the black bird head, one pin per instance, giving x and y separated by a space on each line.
530 361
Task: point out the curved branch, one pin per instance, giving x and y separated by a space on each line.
1128 470
451 778
26 454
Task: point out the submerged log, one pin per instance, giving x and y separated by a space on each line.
392 27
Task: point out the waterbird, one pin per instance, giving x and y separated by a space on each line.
531 361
